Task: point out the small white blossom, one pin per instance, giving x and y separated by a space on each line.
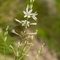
34 16
25 23
27 12
13 31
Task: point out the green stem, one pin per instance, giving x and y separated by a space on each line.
39 51
26 52
4 50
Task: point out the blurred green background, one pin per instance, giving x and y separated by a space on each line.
48 20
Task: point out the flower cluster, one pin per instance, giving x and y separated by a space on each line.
24 23
28 13
20 49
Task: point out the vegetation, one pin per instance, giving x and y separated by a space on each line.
48 21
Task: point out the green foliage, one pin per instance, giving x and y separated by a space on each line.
48 26
9 41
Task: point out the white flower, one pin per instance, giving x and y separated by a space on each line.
27 12
25 23
34 16
13 31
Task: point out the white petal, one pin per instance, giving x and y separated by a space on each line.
25 15
18 20
27 8
33 23
34 17
24 12
28 16
30 11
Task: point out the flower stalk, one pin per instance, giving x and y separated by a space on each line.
5 38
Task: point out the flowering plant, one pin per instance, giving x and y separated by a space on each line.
21 49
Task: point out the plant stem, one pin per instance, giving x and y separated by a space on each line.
26 52
4 51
